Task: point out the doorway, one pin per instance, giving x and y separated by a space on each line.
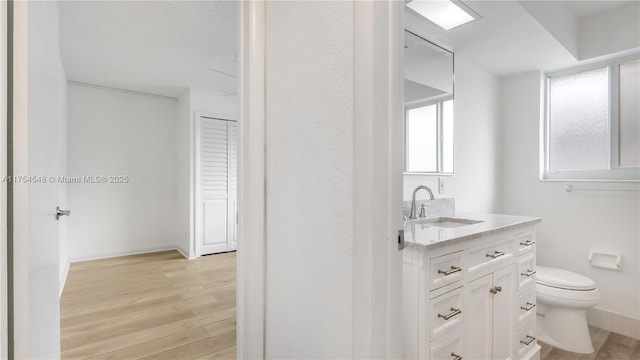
147 213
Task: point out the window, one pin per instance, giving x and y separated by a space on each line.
429 137
592 128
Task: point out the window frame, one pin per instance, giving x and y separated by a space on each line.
614 172
438 101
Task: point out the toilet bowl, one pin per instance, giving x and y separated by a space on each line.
563 298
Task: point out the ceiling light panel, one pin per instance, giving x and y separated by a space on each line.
444 13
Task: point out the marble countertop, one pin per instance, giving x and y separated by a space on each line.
422 236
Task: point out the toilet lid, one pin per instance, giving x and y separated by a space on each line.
563 279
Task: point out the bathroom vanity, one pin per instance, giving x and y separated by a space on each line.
469 287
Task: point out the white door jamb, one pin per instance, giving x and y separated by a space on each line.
378 128
251 183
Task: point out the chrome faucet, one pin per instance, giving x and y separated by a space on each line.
412 215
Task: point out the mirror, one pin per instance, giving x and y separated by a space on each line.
428 106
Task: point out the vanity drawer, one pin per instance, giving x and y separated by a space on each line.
450 348
526 339
526 306
525 242
446 269
489 256
527 272
445 313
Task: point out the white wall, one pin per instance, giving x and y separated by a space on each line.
557 20
113 133
477 144
309 159
609 32
211 102
193 101
572 222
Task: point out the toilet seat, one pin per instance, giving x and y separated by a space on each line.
567 298
563 279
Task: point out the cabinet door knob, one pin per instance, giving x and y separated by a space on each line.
495 290
456 356
454 269
453 313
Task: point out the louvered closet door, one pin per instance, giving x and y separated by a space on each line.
218 185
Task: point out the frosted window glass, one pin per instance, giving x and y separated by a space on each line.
630 114
579 121
422 144
447 136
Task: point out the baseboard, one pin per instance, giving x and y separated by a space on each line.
614 322
124 253
188 257
63 276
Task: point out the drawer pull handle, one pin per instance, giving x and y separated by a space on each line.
496 254
495 290
456 356
453 313
528 273
449 272
528 340
528 242
528 307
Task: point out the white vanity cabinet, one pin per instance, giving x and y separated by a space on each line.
525 344
488 304
472 298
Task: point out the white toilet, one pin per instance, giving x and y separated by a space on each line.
563 298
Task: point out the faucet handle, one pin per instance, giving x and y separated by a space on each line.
423 211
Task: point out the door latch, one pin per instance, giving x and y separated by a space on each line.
400 239
61 212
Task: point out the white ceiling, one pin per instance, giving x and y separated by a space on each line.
159 47
164 47
508 39
581 9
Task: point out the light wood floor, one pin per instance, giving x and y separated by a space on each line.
150 306
607 345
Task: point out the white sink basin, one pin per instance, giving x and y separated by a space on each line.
444 222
